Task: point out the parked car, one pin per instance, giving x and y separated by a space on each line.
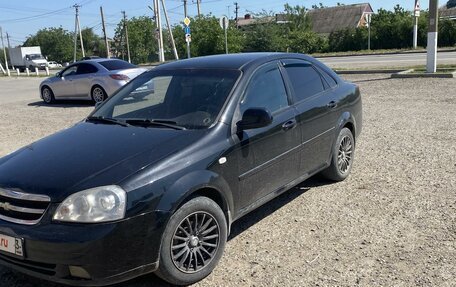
94 79
154 184
54 64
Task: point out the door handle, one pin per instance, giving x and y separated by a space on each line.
332 105
289 125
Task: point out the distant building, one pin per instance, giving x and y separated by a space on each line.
445 13
327 20
324 20
249 20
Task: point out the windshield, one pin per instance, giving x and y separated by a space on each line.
189 98
35 57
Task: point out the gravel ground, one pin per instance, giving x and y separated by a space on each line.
391 223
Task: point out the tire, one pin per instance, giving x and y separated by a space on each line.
98 94
185 257
343 154
32 68
47 95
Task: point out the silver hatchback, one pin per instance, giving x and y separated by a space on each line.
94 79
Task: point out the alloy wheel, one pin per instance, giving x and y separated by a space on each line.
195 242
98 94
47 96
344 156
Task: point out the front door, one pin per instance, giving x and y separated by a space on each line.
267 156
64 87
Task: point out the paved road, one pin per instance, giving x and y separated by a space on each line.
383 61
16 89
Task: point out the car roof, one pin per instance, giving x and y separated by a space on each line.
99 60
228 61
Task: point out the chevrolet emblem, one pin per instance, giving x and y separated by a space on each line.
5 205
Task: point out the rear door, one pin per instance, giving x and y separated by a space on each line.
267 156
317 108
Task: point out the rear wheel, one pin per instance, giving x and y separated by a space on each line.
47 95
193 242
98 94
342 157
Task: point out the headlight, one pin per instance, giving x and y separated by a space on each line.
99 204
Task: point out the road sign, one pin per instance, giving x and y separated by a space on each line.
224 22
188 38
186 21
368 17
417 8
187 30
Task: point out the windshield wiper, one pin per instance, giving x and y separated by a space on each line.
155 122
107 121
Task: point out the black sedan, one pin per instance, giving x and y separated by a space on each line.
153 179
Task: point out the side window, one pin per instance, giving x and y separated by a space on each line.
70 71
86 69
328 78
305 80
265 90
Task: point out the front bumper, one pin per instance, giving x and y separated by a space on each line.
87 254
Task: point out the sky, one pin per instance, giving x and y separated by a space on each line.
21 18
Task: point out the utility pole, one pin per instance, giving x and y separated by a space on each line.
156 32
8 40
9 47
76 6
415 24
80 36
4 50
176 56
432 36
161 52
198 6
185 8
126 35
108 54
369 20
236 11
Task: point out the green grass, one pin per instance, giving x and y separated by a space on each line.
376 52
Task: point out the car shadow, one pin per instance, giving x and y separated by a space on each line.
14 278
63 104
277 203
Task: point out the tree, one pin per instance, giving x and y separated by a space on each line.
142 41
451 4
55 43
447 33
208 37
93 44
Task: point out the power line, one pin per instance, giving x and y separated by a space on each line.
36 16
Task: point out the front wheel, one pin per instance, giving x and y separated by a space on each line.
47 95
342 157
193 242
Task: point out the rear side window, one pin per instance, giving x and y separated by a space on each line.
266 90
112 65
305 80
85 68
328 78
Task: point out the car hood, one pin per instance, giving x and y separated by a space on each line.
89 155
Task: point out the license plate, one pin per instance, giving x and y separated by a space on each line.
11 245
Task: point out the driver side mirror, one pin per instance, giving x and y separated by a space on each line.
254 118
